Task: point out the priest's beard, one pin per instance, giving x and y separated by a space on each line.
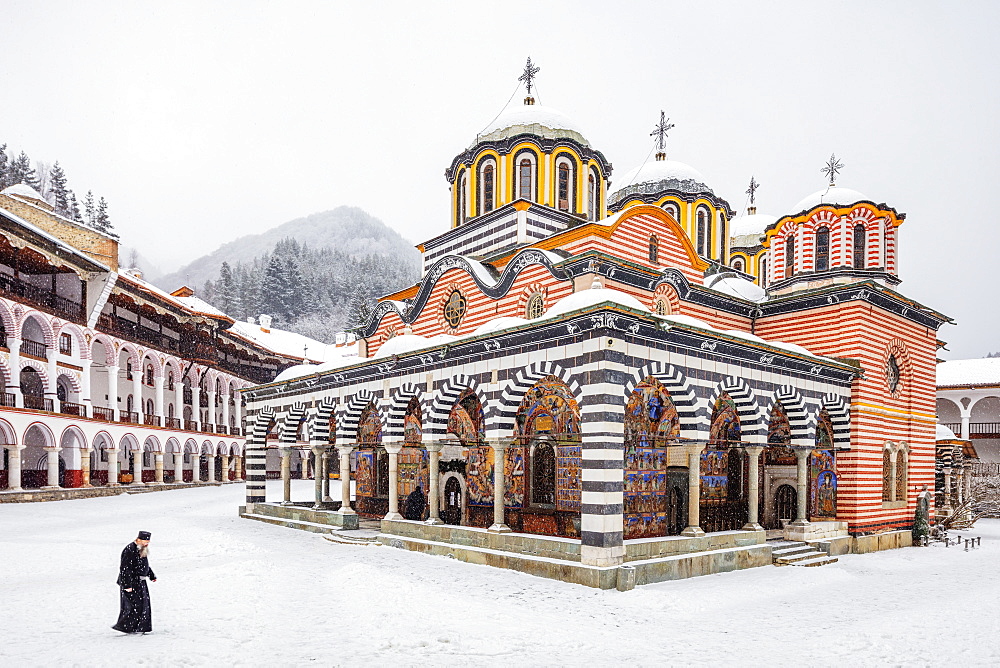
144 551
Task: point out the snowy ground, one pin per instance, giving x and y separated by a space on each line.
234 591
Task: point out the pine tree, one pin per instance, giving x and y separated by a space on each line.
273 290
88 209
74 207
58 191
228 293
21 171
102 221
4 168
359 310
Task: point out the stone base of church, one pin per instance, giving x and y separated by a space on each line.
303 517
889 540
816 531
648 559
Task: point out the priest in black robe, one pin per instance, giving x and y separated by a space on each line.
135 615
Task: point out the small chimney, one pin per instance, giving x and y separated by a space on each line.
251 320
341 338
265 323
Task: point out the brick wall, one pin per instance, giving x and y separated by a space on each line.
90 242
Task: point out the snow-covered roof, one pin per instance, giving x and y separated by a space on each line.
585 298
534 119
23 190
199 305
830 195
751 226
985 371
401 344
72 250
303 370
496 324
291 344
735 286
943 433
660 175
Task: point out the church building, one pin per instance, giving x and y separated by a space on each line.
611 380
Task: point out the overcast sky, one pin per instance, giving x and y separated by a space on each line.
203 121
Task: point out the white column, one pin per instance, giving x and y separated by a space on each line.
225 466
238 468
693 528
499 520
196 406
211 467
113 391
239 411
327 456
14 345
137 465
753 502
51 357
434 458
53 466
179 401
158 467
112 466
393 451
14 471
85 466
212 418
158 405
178 467
345 479
225 412
966 419
196 466
137 406
286 475
802 483
85 398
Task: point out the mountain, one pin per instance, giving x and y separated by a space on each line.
347 229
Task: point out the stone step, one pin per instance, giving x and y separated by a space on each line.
820 560
799 557
791 551
344 538
291 524
297 513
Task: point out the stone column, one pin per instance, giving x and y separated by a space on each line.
238 470
53 466
113 391
14 472
225 411
693 528
225 466
85 466
345 479
178 467
179 401
499 523
137 466
14 346
433 494
211 467
158 403
85 393
327 455
138 405
393 450
238 408
212 417
753 452
196 466
112 466
158 467
196 406
966 419
286 475
51 357
802 484
948 508
318 504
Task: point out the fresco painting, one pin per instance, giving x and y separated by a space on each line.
479 476
548 407
568 458
779 439
412 427
513 472
370 426
651 424
365 484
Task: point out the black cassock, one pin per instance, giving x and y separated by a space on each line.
136 615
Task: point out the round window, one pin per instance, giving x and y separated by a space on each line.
536 307
892 375
454 308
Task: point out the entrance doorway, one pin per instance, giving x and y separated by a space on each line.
786 502
452 512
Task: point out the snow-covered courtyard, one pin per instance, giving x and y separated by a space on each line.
234 591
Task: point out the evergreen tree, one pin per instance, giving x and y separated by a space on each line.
58 191
228 293
360 309
273 291
88 209
21 171
4 168
102 222
74 207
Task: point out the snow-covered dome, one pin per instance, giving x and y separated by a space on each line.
533 119
943 433
830 195
23 190
746 231
658 176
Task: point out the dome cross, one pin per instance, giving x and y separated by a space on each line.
528 75
660 132
832 169
752 190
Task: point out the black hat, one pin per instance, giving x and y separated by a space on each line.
144 535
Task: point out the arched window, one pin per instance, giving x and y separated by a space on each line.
535 307
170 380
524 180
591 197
702 232
887 480
543 474
789 255
170 411
463 186
654 249
721 257
487 189
738 264
763 272
148 379
859 246
564 187
823 249
672 209
128 369
901 471
150 410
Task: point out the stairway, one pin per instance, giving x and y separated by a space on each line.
797 553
